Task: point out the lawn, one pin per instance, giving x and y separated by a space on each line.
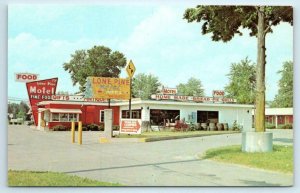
158 134
29 178
281 159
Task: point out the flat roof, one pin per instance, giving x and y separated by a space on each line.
147 102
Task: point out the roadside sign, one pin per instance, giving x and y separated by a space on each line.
218 93
130 69
131 126
107 88
38 91
26 77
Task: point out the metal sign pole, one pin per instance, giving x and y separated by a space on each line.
130 98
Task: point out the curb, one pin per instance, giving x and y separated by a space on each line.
152 139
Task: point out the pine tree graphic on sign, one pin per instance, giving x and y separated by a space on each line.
88 89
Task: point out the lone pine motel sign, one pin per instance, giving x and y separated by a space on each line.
107 88
38 91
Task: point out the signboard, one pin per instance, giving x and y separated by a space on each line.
130 69
218 93
169 90
38 91
26 77
192 98
131 126
107 88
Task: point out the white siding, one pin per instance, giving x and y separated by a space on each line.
228 115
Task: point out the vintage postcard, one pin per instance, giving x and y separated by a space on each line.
154 94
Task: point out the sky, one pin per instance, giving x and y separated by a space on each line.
154 36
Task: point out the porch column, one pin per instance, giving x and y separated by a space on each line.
276 121
39 120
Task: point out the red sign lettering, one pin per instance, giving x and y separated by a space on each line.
26 77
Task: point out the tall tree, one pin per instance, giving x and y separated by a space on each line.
97 61
144 85
226 21
19 110
192 88
242 82
284 98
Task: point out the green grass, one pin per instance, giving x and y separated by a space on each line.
157 134
281 159
29 178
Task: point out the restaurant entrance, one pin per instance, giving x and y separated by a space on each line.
161 117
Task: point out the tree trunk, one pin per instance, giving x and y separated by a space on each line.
260 73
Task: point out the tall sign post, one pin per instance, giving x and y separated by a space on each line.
130 69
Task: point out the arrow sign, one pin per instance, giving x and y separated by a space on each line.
130 126
130 69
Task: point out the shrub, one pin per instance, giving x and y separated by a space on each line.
286 126
59 128
270 126
101 127
93 127
116 127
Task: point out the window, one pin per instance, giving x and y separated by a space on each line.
64 117
101 116
207 116
135 114
159 117
55 116
72 117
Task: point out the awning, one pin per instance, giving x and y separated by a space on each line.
78 111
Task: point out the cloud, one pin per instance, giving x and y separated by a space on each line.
161 43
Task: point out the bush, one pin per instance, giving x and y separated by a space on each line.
270 126
93 127
60 128
101 127
116 127
286 126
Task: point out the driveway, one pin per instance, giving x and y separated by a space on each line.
161 163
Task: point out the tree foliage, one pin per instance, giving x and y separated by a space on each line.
144 85
284 98
97 61
19 110
224 22
242 82
192 88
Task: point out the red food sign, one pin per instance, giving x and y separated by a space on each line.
38 91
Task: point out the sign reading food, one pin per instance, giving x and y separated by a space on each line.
38 91
107 88
218 93
131 126
26 77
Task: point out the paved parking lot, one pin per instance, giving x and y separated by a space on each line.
161 163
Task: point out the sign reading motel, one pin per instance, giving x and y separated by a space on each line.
169 91
38 91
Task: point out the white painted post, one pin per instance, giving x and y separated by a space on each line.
276 121
39 120
108 123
